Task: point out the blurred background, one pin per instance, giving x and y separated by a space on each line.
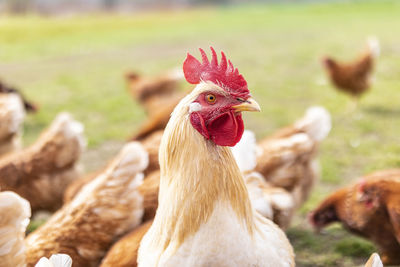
72 55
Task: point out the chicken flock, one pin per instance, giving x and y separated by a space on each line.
156 204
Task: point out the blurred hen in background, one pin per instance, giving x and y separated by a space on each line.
354 78
41 172
158 95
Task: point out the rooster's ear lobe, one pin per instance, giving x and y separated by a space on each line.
192 69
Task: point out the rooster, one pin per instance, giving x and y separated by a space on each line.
369 208
205 217
12 116
286 159
354 77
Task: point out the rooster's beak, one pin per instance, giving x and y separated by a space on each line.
248 105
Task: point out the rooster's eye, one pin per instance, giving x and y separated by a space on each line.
211 98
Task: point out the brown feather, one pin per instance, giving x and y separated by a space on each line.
159 95
105 209
352 77
154 92
157 120
378 221
150 143
41 172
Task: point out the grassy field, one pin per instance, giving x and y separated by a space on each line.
77 64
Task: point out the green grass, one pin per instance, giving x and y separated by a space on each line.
333 247
77 64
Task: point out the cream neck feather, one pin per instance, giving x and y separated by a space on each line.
195 175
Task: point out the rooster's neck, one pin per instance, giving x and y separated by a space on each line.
196 174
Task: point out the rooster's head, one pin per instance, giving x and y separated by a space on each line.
220 97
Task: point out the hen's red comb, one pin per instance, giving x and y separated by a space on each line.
361 185
223 74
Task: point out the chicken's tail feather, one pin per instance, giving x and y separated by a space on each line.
316 123
133 158
71 128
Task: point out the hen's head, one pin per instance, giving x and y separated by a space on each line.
329 210
329 63
220 97
322 217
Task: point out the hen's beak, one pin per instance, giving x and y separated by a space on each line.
248 105
360 197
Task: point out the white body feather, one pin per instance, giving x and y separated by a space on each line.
245 152
14 218
224 241
70 128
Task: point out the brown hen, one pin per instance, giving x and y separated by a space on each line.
369 208
354 77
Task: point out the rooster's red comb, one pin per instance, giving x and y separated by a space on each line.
222 74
